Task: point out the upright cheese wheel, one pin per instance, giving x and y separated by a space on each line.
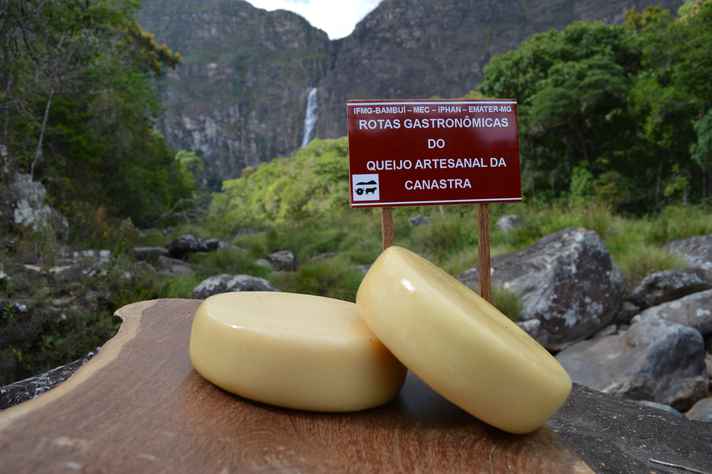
459 344
294 351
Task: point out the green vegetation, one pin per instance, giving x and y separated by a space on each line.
616 113
78 107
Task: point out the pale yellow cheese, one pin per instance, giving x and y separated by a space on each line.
459 344
294 351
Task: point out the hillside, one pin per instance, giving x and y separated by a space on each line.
240 97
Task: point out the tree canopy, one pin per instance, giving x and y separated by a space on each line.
78 105
621 108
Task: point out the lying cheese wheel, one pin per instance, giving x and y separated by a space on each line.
294 351
459 344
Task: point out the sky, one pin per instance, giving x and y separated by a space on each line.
337 17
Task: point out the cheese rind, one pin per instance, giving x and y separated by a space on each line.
459 344
295 351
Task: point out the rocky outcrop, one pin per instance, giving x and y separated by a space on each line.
228 283
149 253
27 201
694 311
661 287
697 251
654 360
240 96
567 283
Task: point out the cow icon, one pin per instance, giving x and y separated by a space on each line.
366 187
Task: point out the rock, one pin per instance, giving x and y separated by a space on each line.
661 287
188 244
696 250
172 267
149 253
626 313
660 406
264 263
509 222
708 363
227 283
615 436
283 260
701 411
419 220
694 310
33 387
363 268
607 331
31 210
654 360
183 246
568 285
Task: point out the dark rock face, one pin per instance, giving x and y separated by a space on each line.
702 411
654 360
661 287
568 285
240 96
616 436
283 260
188 244
228 283
33 387
696 250
694 311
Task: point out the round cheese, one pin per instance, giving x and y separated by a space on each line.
459 344
294 351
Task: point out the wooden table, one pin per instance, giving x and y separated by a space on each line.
138 406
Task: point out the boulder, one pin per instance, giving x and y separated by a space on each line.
419 219
187 244
701 411
509 222
283 260
228 283
31 210
627 312
654 360
568 285
149 253
661 287
697 251
694 310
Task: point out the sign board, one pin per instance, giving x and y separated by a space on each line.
422 152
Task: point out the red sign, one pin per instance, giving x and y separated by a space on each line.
421 152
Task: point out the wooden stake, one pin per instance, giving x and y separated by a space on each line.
387 230
485 264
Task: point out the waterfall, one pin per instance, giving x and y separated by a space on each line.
310 117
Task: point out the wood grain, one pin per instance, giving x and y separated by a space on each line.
485 261
138 406
387 227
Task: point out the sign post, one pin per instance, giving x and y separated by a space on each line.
434 152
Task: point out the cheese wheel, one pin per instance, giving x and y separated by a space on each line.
459 344
294 351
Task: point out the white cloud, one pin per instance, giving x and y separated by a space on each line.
337 18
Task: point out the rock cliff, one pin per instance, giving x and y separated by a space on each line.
240 96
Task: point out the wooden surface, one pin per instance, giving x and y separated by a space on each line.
485 261
387 227
139 407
